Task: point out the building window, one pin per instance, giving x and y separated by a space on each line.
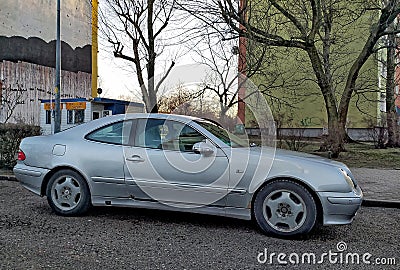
48 117
70 116
79 116
95 115
107 113
75 116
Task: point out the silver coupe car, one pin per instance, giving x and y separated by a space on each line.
181 163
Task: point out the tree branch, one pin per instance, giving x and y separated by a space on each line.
291 17
165 76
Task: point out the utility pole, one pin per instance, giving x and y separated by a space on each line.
57 114
95 46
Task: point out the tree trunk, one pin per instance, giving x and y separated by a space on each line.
152 106
334 143
391 115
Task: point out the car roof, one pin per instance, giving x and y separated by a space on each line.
160 116
83 129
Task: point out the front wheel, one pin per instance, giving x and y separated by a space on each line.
284 208
68 193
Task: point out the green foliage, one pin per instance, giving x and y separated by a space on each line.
10 138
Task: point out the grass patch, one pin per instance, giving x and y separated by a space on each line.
358 155
364 155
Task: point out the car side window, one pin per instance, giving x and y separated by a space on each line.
188 137
148 133
166 134
116 133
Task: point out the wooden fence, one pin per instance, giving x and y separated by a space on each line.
23 85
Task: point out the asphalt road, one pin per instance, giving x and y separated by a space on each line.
32 237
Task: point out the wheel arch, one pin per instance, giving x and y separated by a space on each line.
320 213
53 171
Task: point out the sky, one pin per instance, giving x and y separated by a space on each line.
117 77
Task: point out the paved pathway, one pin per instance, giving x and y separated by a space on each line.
378 184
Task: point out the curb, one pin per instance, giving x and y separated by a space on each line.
378 203
8 178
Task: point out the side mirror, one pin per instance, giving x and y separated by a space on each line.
203 148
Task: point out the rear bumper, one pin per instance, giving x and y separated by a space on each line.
30 177
340 208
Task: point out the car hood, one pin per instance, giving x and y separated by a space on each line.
295 158
321 174
286 154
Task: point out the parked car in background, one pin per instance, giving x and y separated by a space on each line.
181 163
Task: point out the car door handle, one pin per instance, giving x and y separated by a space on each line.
135 158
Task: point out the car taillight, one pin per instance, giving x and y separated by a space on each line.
21 155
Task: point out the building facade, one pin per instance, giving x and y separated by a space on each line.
24 85
27 55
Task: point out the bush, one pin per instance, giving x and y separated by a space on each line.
10 138
294 138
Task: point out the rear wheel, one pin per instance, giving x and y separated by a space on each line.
68 193
285 208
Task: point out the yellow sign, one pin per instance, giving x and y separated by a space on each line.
47 106
76 105
53 106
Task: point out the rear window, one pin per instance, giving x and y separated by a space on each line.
116 133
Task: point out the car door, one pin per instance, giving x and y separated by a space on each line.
101 157
161 165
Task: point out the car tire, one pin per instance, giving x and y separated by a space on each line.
68 193
284 208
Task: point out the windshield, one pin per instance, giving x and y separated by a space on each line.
222 134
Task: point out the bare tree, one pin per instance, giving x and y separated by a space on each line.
228 79
178 102
309 26
10 98
222 78
135 29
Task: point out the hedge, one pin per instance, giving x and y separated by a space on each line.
10 138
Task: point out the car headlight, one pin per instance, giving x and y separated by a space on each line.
348 179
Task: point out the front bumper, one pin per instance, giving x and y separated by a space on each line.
340 208
30 177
